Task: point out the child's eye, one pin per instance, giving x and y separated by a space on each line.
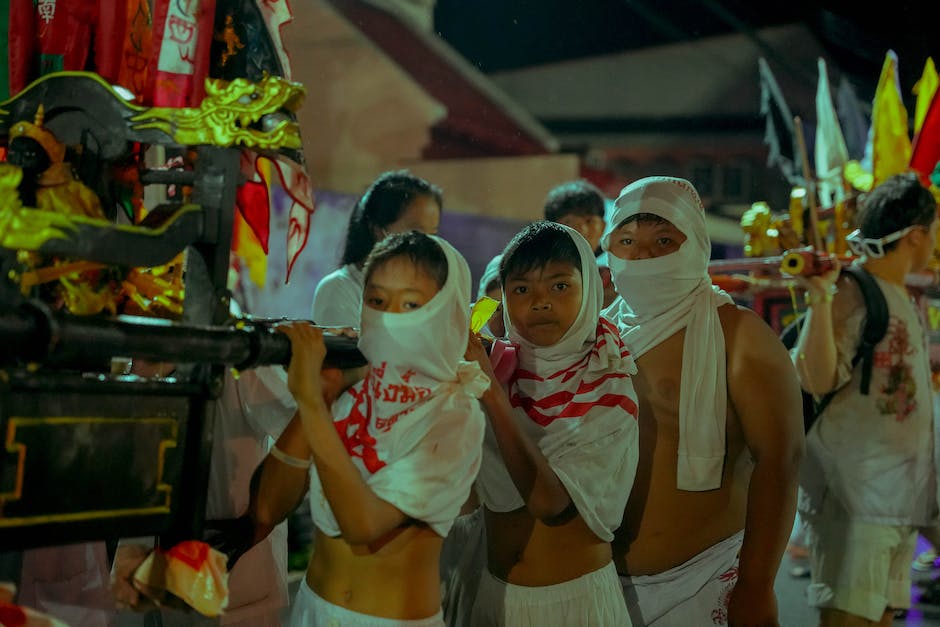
561 286
664 241
626 241
519 289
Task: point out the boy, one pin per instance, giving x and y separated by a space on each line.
581 206
720 431
560 447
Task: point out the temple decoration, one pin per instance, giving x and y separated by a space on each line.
238 112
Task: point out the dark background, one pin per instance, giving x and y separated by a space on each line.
498 35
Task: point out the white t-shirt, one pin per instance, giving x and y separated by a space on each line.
337 301
875 452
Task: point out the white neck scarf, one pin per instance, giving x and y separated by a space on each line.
413 426
659 297
575 400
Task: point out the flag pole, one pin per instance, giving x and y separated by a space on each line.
814 240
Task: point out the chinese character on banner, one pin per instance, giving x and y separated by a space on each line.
182 36
46 10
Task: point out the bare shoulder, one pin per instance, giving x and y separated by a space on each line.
746 334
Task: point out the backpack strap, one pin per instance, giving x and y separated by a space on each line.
876 321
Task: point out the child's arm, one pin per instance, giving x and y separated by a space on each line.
764 392
361 515
278 486
544 494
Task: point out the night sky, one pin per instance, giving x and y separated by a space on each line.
500 35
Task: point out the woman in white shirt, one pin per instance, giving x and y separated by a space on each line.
397 201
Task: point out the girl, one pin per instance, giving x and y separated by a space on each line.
396 202
393 457
560 450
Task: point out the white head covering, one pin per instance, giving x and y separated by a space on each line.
657 298
576 401
489 273
413 426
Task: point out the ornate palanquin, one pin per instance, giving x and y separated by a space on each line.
91 454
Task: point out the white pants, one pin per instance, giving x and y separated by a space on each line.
310 610
594 600
693 593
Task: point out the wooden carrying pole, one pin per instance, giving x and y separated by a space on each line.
814 239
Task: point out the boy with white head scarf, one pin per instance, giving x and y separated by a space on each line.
392 458
720 425
561 443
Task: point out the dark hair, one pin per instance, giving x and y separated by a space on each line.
383 203
421 249
537 245
578 197
897 203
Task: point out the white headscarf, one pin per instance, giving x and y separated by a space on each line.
489 273
576 401
413 426
657 298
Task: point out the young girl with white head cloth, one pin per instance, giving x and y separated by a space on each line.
392 458
561 443
719 421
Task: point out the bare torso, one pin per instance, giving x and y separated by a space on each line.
663 526
524 551
395 577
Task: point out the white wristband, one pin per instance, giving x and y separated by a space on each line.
290 460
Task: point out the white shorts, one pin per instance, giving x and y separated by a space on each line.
310 610
858 567
593 599
693 593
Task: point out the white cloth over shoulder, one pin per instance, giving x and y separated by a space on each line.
659 297
575 399
414 427
338 298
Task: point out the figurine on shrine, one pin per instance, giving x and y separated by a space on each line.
48 182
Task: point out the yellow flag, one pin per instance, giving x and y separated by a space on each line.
891 145
924 89
481 313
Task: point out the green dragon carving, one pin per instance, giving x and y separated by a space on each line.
237 112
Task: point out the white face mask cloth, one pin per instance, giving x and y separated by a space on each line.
413 426
659 297
575 400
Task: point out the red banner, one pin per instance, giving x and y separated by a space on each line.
182 32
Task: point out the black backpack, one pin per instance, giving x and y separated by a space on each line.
876 326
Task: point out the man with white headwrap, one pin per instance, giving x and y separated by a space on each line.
720 423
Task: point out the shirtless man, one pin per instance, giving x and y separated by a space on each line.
721 436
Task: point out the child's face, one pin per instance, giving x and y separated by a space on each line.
591 227
645 240
397 286
544 302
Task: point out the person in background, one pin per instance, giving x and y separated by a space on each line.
870 478
580 205
395 202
